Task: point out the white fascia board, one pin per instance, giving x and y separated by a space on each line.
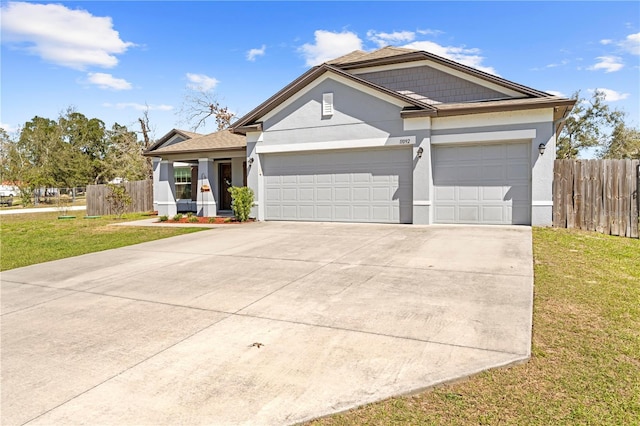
443 68
507 135
328 75
504 118
254 137
418 123
333 145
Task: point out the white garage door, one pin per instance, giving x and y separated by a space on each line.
339 186
482 184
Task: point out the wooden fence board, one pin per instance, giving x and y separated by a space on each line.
141 193
597 195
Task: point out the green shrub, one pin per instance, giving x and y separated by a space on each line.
193 219
211 220
164 218
189 214
177 217
118 199
241 202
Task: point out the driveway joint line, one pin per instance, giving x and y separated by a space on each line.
331 327
432 269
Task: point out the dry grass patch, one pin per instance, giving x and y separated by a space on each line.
585 364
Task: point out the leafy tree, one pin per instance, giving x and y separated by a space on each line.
124 157
624 143
587 126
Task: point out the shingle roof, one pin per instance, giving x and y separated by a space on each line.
422 106
185 133
359 55
223 140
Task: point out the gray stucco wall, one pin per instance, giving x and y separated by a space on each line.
431 84
357 115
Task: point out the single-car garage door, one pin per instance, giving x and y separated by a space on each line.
339 186
488 184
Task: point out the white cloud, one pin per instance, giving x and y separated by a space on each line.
467 56
608 64
253 53
69 37
430 32
631 44
139 107
386 39
107 81
606 41
329 46
201 82
611 95
8 127
556 93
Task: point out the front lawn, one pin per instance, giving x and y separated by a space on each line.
585 364
27 239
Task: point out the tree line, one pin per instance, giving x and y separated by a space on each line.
72 151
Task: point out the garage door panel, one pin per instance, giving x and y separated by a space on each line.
354 186
519 151
482 183
341 194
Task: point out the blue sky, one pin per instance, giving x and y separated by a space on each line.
110 59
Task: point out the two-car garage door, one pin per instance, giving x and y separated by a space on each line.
372 185
488 184
481 184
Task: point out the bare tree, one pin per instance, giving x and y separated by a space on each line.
147 136
200 105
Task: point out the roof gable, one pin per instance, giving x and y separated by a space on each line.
297 86
174 136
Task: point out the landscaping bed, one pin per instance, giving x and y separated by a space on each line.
202 220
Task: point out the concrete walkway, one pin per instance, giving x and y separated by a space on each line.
40 210
262 323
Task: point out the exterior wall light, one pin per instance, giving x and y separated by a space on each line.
420 151
541 148
250 161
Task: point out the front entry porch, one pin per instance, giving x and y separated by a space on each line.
198 185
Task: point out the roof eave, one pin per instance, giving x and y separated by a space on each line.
480 109
191 151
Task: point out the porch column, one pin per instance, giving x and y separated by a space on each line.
155 163
206 202
166 197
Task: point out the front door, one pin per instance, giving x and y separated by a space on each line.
224 177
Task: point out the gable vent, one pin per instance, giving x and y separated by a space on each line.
327 104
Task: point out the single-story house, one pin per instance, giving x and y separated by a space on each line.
395 136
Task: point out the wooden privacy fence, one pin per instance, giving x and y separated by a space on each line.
141 193
596 195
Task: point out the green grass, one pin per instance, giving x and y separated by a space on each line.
27 239
585 365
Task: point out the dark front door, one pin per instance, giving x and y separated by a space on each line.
224 177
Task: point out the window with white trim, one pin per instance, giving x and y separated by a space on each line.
182 176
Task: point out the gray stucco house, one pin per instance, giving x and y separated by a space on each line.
394 136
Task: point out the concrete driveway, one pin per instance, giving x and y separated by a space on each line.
264 323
